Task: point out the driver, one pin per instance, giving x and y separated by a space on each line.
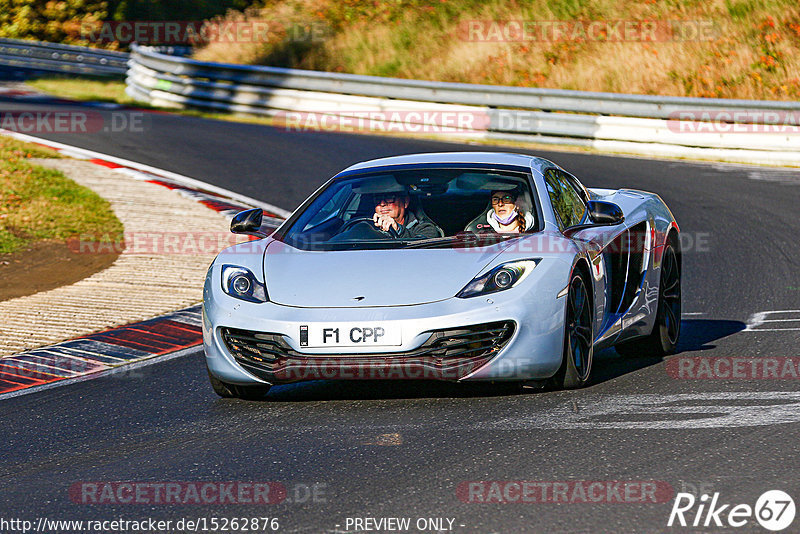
391 212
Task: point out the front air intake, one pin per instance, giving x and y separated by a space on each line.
448 354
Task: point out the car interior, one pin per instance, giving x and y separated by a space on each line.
451 198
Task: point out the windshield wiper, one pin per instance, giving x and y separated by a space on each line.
476 240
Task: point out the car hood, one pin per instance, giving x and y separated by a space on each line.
364 278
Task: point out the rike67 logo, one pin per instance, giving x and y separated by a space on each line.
774 510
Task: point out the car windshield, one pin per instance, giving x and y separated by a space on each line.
416 208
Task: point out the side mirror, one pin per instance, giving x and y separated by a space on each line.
605 213
248 222
600 213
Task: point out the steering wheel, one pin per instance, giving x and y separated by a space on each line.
360 220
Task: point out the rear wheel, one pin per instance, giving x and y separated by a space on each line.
576 365
667 329
230 391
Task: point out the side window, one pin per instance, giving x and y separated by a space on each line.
576 196
566 201
573 182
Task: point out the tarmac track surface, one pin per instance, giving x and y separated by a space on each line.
401 449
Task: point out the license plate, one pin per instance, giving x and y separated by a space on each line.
349 335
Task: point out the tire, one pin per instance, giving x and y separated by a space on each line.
233 391
578 351
663 340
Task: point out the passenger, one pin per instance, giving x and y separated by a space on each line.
505 215
391 212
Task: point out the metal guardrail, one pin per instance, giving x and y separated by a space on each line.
53 57
648 106
638 123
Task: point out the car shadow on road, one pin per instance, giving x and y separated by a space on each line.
388 389
696 335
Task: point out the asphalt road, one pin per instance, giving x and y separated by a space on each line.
402 449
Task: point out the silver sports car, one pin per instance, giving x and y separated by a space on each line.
449 266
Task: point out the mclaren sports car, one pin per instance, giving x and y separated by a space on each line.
465 266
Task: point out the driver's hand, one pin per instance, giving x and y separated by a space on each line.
384 222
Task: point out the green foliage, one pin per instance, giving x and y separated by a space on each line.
62 20
48 20
566 9
389 68
739 10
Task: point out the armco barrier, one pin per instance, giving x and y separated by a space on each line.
70 59
738 130
52 57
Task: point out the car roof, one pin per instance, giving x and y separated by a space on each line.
491 158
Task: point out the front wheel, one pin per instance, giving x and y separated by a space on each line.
576 365
234 391
663 340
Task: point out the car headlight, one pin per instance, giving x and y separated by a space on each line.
241 283
500 278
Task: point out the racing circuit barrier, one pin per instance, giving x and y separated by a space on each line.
735 130
68 59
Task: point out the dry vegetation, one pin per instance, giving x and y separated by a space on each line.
752 51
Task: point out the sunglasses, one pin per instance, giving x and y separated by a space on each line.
505 199
389 198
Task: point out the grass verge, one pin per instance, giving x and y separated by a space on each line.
88 89
39 204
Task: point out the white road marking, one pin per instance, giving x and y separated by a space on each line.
663 411
761 318
774 176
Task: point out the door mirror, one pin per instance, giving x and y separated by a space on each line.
605 213
248 222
